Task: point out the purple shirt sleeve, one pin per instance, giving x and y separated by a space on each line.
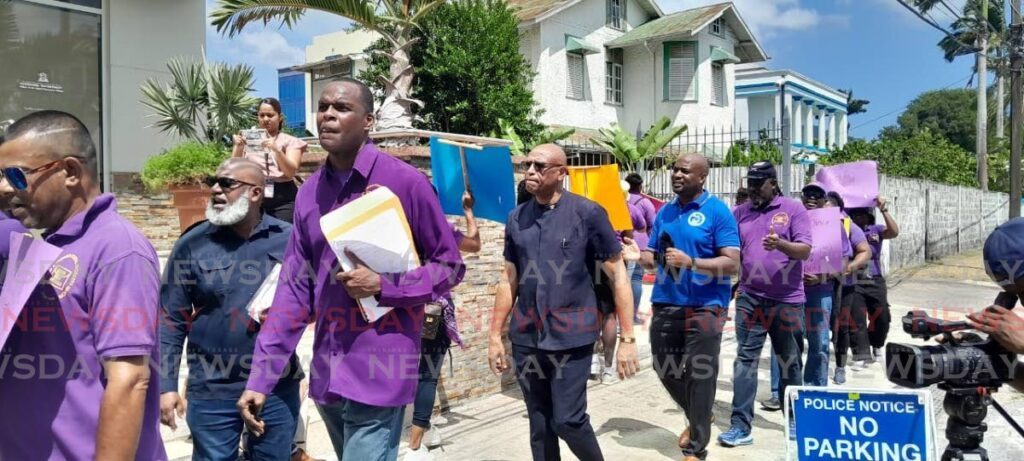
124 315
856 237
648 210
286 320
459 236
800 228
441 263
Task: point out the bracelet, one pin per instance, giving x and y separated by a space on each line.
693 264
629 340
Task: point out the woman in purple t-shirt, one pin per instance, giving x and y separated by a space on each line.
872 288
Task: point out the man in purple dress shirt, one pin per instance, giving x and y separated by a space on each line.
95 315
362 375
775 239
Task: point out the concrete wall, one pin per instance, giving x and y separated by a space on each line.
339 43
142 35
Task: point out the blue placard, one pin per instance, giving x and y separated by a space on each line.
490 178
841 424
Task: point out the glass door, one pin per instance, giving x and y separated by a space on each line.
50 59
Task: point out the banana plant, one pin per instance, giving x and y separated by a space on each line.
631 152
521 147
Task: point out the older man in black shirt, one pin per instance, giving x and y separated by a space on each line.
212 274
556 244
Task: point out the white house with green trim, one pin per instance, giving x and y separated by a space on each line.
817 113
625 61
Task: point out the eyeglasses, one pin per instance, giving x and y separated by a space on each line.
225 182
814 195
17 176
539 167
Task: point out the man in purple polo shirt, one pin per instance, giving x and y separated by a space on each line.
362 375
775 239
95 317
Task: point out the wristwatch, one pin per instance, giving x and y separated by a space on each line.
629 340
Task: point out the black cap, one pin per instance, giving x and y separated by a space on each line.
1004 250
761 170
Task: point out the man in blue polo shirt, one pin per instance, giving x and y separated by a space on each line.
695 246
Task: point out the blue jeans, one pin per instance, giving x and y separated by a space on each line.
817 332
216 427
432 353
757 318
636 282
363 432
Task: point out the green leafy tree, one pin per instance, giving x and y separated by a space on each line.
469 71
923 155
203 101
631 152
744 153
948 114
395 20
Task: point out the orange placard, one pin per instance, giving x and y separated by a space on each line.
601 184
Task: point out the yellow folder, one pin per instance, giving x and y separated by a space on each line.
373 227
601 184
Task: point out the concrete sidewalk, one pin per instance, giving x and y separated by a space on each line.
636 419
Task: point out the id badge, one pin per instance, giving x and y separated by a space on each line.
268 189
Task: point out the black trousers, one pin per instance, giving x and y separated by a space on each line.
554 385
875 294
850 326
282 205
685 345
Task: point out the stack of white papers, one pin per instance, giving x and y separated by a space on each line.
372 227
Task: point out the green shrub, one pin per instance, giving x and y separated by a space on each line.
186 163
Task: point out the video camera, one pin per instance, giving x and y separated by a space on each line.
965 362
969 368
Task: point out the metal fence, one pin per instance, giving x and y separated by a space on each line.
715 144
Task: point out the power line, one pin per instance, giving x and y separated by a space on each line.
931 22
956 16
958 81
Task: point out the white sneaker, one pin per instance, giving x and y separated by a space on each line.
432 438
423 454
595 367
859 365
608 376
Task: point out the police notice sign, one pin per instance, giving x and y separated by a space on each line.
864 425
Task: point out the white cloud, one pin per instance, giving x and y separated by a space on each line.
768 17
269 47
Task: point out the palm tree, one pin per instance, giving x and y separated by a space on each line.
855 106
979 30
394 20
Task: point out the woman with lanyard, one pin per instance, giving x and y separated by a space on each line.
280 154
873 288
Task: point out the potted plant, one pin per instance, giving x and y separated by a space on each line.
181 170
204 104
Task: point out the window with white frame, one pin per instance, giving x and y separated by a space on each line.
718 27
613 77
616 17
718 93
680 71
575 80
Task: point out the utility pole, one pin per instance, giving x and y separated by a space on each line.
1000 102
981 144
1017 101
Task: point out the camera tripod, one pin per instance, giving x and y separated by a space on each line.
966 409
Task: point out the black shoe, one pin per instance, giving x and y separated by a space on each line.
772 404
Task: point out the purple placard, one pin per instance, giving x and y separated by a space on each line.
28 262
826 242
856 182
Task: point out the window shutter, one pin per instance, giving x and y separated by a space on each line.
718 84
681 70
575 77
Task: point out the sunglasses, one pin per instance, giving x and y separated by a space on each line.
225 183
815 195
539 167
17 176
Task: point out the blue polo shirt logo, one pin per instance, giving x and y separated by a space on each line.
697 219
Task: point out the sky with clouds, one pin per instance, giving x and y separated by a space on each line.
876 47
